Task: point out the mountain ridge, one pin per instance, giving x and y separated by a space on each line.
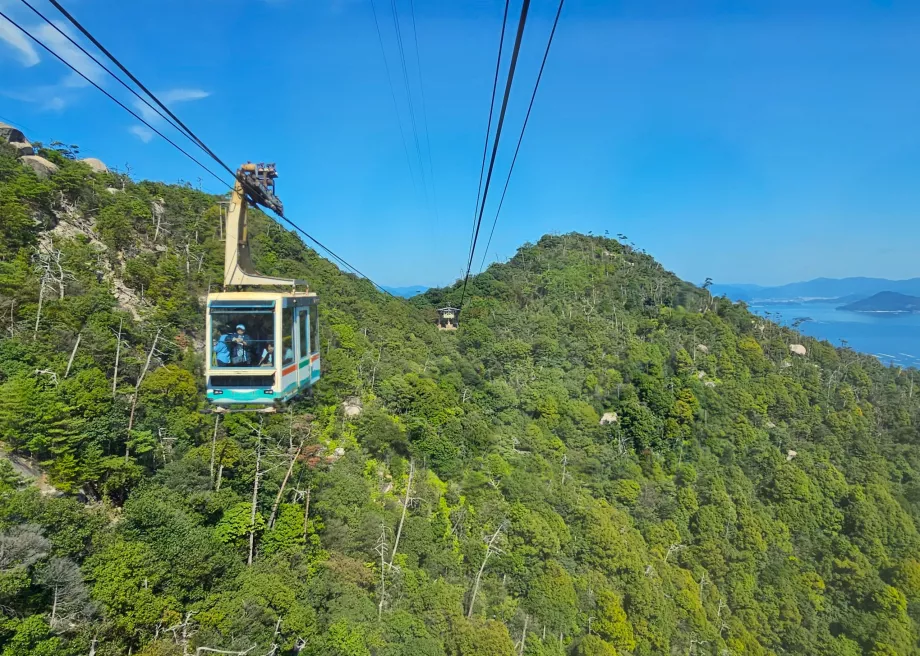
819 288
885 302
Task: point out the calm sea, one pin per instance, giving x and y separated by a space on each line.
894 339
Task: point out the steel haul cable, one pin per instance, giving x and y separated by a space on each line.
517 149
498 133
187 131
485 144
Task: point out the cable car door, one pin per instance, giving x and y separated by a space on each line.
302 316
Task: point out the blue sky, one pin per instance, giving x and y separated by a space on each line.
760 142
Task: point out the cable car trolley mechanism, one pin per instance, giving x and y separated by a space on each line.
263 345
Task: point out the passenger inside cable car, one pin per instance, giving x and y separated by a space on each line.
242 340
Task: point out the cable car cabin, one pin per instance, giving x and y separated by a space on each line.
448 318
263 346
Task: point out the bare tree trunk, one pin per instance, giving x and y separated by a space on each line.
489 547
38 315
117 356
402 517
54 608
92 647
382 549
287 475
137 387
255 499
73 354
214 446
524 635
306 511
220 475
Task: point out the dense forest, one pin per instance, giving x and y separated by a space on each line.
602 460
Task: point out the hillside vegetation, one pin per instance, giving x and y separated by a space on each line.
603 459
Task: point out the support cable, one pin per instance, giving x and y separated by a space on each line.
498 133
521 138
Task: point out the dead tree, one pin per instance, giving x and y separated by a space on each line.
405 506
214 445
137 388
491 547
382 548
117 356
294 455
73 354
255 496
305 495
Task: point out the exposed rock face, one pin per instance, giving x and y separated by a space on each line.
40 165
96 165
10 134
352 406
790 455
22 148
609 418
702 348
798 349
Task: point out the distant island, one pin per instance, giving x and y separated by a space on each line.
892 302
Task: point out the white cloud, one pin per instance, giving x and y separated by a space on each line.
56 104
145 111
25 52
141 132
71 54
182 95
170 97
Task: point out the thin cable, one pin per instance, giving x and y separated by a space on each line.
498 134
386 65
533 96
485 145
421 86
153 97
168 140
109 96
107 70
405 71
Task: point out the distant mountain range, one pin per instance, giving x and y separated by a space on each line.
407 292
820 289
892 302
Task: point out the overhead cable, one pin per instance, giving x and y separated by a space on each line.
190 134
107 94
485 143
533 96
498 133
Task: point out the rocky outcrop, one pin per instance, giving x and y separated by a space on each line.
22 148
352 406
10 134
798 349
40 165
97 165
609 418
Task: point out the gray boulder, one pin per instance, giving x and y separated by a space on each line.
40 165
95 164
9 133
22 148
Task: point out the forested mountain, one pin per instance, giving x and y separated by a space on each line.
603 459
885 302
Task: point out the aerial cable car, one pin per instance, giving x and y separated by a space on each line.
262 345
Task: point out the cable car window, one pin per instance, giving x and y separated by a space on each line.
314 329
242 337
304 340
287 335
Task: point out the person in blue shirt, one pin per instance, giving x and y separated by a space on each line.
222 350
